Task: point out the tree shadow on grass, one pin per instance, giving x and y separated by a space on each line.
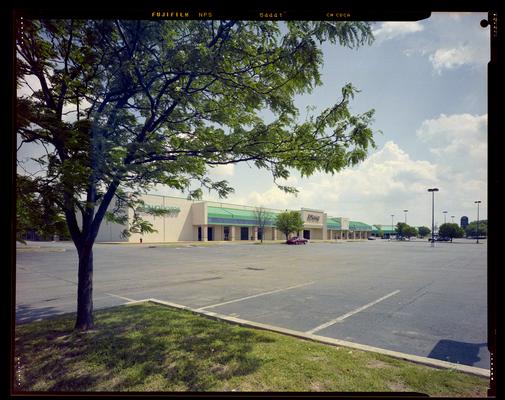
134 345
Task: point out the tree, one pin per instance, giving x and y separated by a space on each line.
451 230
263 218
120 106
405 230
409 231
35 211
400 227
424 231
471 229
288 222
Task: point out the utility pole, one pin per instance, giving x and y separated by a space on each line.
478 233
433 190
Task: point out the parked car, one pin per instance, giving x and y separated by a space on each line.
441 239
296 240
371 238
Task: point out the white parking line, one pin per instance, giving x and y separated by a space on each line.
120 297
350 313
256 295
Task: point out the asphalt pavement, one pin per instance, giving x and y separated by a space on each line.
402 296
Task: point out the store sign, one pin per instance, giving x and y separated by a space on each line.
313 218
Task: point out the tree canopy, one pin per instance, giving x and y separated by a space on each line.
424 231
289 222
409 231
451 230
405 230
471 229
35 213
120 106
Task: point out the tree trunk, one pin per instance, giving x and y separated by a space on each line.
84 319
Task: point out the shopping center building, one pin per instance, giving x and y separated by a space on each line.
194 220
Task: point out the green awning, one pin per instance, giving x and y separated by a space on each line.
333 223
226 215
359 226
219 212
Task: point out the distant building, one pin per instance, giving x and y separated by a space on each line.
464 222
192 220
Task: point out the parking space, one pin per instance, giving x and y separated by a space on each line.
402 296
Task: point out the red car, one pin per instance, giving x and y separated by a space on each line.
296 240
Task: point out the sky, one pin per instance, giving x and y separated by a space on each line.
427 81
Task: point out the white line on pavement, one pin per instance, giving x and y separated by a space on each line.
255 295
336 342
347 315
120 297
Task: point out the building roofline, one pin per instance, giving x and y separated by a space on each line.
241 205
252 207
312 209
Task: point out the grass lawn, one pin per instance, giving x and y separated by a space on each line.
147 347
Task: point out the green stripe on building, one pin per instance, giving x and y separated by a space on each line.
359 226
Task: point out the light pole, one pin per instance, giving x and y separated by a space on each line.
445 214
433 190
452 219
392 224
478 202
405 211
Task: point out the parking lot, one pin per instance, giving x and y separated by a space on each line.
402 296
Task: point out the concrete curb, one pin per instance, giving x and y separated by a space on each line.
322 339
41 249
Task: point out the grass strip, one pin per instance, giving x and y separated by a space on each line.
148 347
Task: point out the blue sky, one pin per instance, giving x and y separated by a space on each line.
427 81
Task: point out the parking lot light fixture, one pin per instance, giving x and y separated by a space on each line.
478 202
433 190
445 214
392 225
405 211
452 219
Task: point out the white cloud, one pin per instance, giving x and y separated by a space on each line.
388 173
453 57
450 41
390 180
365 193
392 29
459 145
458 15
460 137
31 84
274 197
223 170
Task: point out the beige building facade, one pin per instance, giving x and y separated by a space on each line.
192 220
